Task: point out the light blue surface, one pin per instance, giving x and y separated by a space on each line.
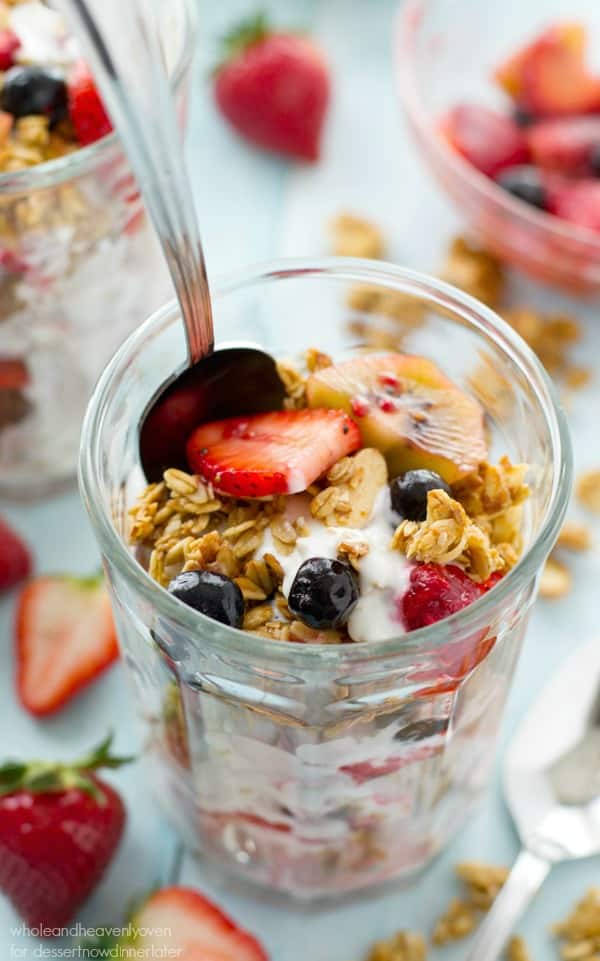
253 207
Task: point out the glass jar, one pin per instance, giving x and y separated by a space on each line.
79 266
319 769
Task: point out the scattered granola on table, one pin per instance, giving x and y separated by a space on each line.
354 236
403 946
517 950
556 580
587 489
481 884
305 524
474 270
574 537
579 933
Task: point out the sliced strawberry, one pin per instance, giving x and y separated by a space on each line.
568 37
549 77
86 109
282 452
184 921
577 201
570 146
65 638
9 44
13 373
489 140
15 559
273 88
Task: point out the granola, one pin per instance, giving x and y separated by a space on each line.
579 933
587 490
354 236
475 271
449 536
517 950
402 946
556 580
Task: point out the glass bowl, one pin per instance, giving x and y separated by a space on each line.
79 265
445 51
318 769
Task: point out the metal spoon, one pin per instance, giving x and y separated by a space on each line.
121 42
550 829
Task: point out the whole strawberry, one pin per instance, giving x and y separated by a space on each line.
59 828
273 88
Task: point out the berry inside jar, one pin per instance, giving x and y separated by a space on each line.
542 145
365 509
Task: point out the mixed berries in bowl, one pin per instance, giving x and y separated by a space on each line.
505 105
321 606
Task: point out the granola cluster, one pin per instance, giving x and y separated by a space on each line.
481 884
579 933
28 141
478 528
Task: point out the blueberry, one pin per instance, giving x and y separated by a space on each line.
323 592
212 594
524 183
409 493
594 160
522 117
34 90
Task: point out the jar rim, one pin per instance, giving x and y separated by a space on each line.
72 165
231 640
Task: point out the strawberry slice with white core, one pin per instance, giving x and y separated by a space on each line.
184 921
281 452
65 637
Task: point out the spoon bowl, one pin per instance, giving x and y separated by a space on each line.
234 379
551 831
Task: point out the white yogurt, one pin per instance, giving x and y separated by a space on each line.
43 34
384 573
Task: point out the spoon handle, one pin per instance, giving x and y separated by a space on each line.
121 42
525 879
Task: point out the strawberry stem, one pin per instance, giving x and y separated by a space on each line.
42 777
247 32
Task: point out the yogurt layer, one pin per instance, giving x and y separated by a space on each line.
384 573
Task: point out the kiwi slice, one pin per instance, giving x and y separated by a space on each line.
408 409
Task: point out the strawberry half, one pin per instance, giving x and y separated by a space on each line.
193 927
282 452
549 76
65 637
489 140
15 559
87 112
577 201
59 828
273 88
570 146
